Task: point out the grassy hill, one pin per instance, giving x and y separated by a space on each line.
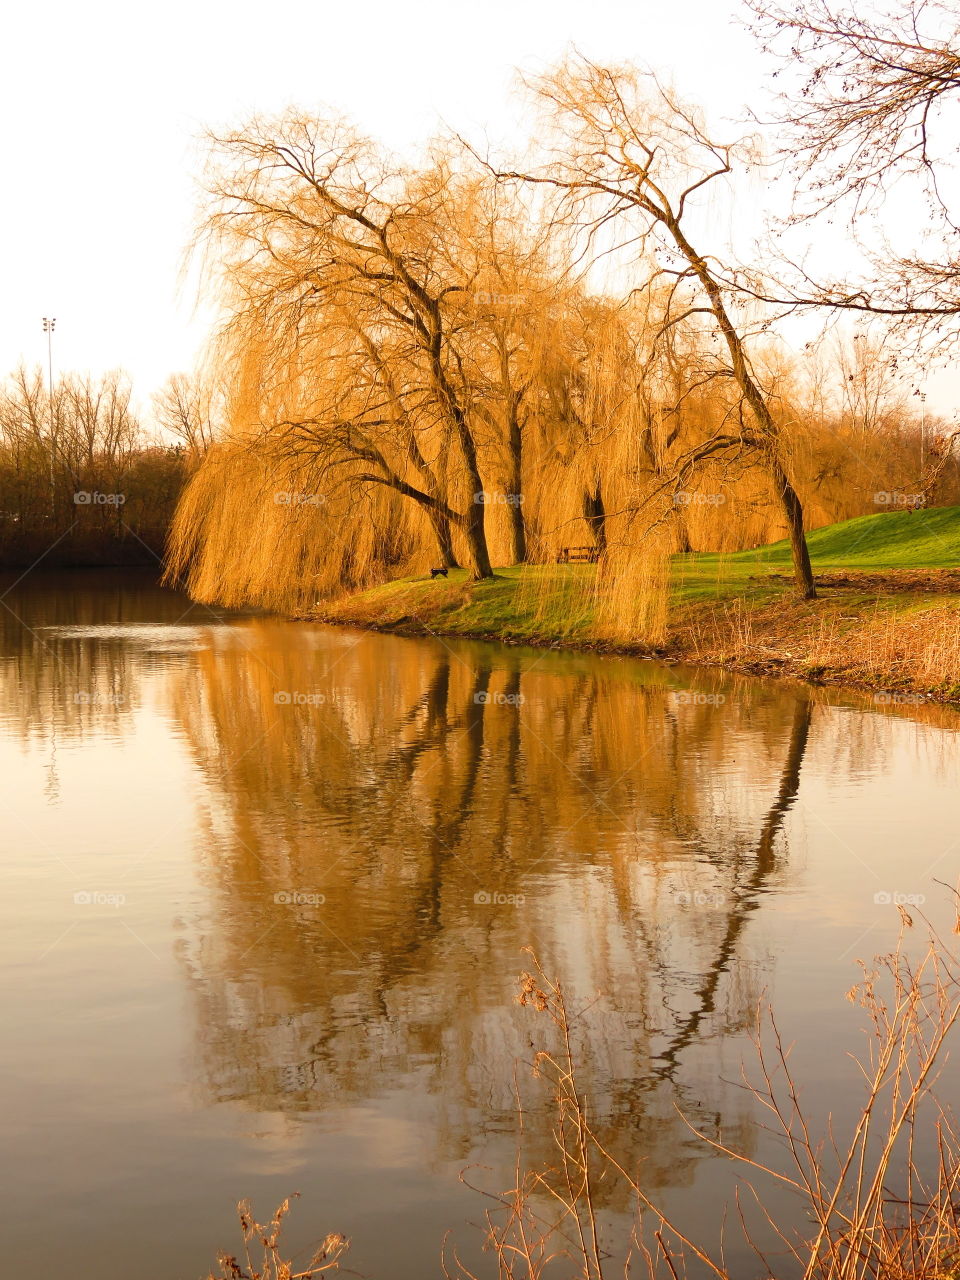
889 541
893 539
888 613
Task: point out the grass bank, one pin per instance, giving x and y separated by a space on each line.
887 616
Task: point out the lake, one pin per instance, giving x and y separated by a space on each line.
267 887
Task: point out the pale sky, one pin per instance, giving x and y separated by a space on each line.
102 104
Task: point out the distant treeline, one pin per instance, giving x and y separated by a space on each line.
82 482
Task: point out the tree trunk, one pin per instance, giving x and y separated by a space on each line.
595 515
802 570
444 535
477 538
683 536
518 528
518 531
757 401
474 520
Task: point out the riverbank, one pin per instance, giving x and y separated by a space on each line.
128 548
887 617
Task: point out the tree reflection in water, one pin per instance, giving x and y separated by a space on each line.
639 828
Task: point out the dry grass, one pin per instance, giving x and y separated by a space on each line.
882 1201
922 646
846 638
263 1240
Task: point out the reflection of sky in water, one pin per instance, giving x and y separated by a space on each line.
197 1041
143 638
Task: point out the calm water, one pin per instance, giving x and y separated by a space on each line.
267 885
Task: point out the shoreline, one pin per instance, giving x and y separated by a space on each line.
818 643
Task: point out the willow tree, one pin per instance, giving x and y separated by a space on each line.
629 152
328 261
505 324
577 403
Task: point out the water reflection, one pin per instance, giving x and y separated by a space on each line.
70 662
629 823
381 824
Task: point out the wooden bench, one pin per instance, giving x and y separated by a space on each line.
578 555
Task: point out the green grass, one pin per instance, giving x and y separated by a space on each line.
892 540
546 602
532 602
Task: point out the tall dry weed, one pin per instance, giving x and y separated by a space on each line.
882 1202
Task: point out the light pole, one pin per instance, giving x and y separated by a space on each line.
923 429
48 328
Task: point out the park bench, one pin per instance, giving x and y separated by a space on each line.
578 555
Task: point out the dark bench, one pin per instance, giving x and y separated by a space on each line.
578 555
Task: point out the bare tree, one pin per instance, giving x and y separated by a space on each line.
78 478
28 426
101 430
185 407
873 104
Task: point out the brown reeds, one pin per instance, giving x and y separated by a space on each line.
881 644
882 1201
261 1258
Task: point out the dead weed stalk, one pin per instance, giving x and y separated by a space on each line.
264 1241
883 1202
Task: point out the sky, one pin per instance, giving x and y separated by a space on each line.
103 106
